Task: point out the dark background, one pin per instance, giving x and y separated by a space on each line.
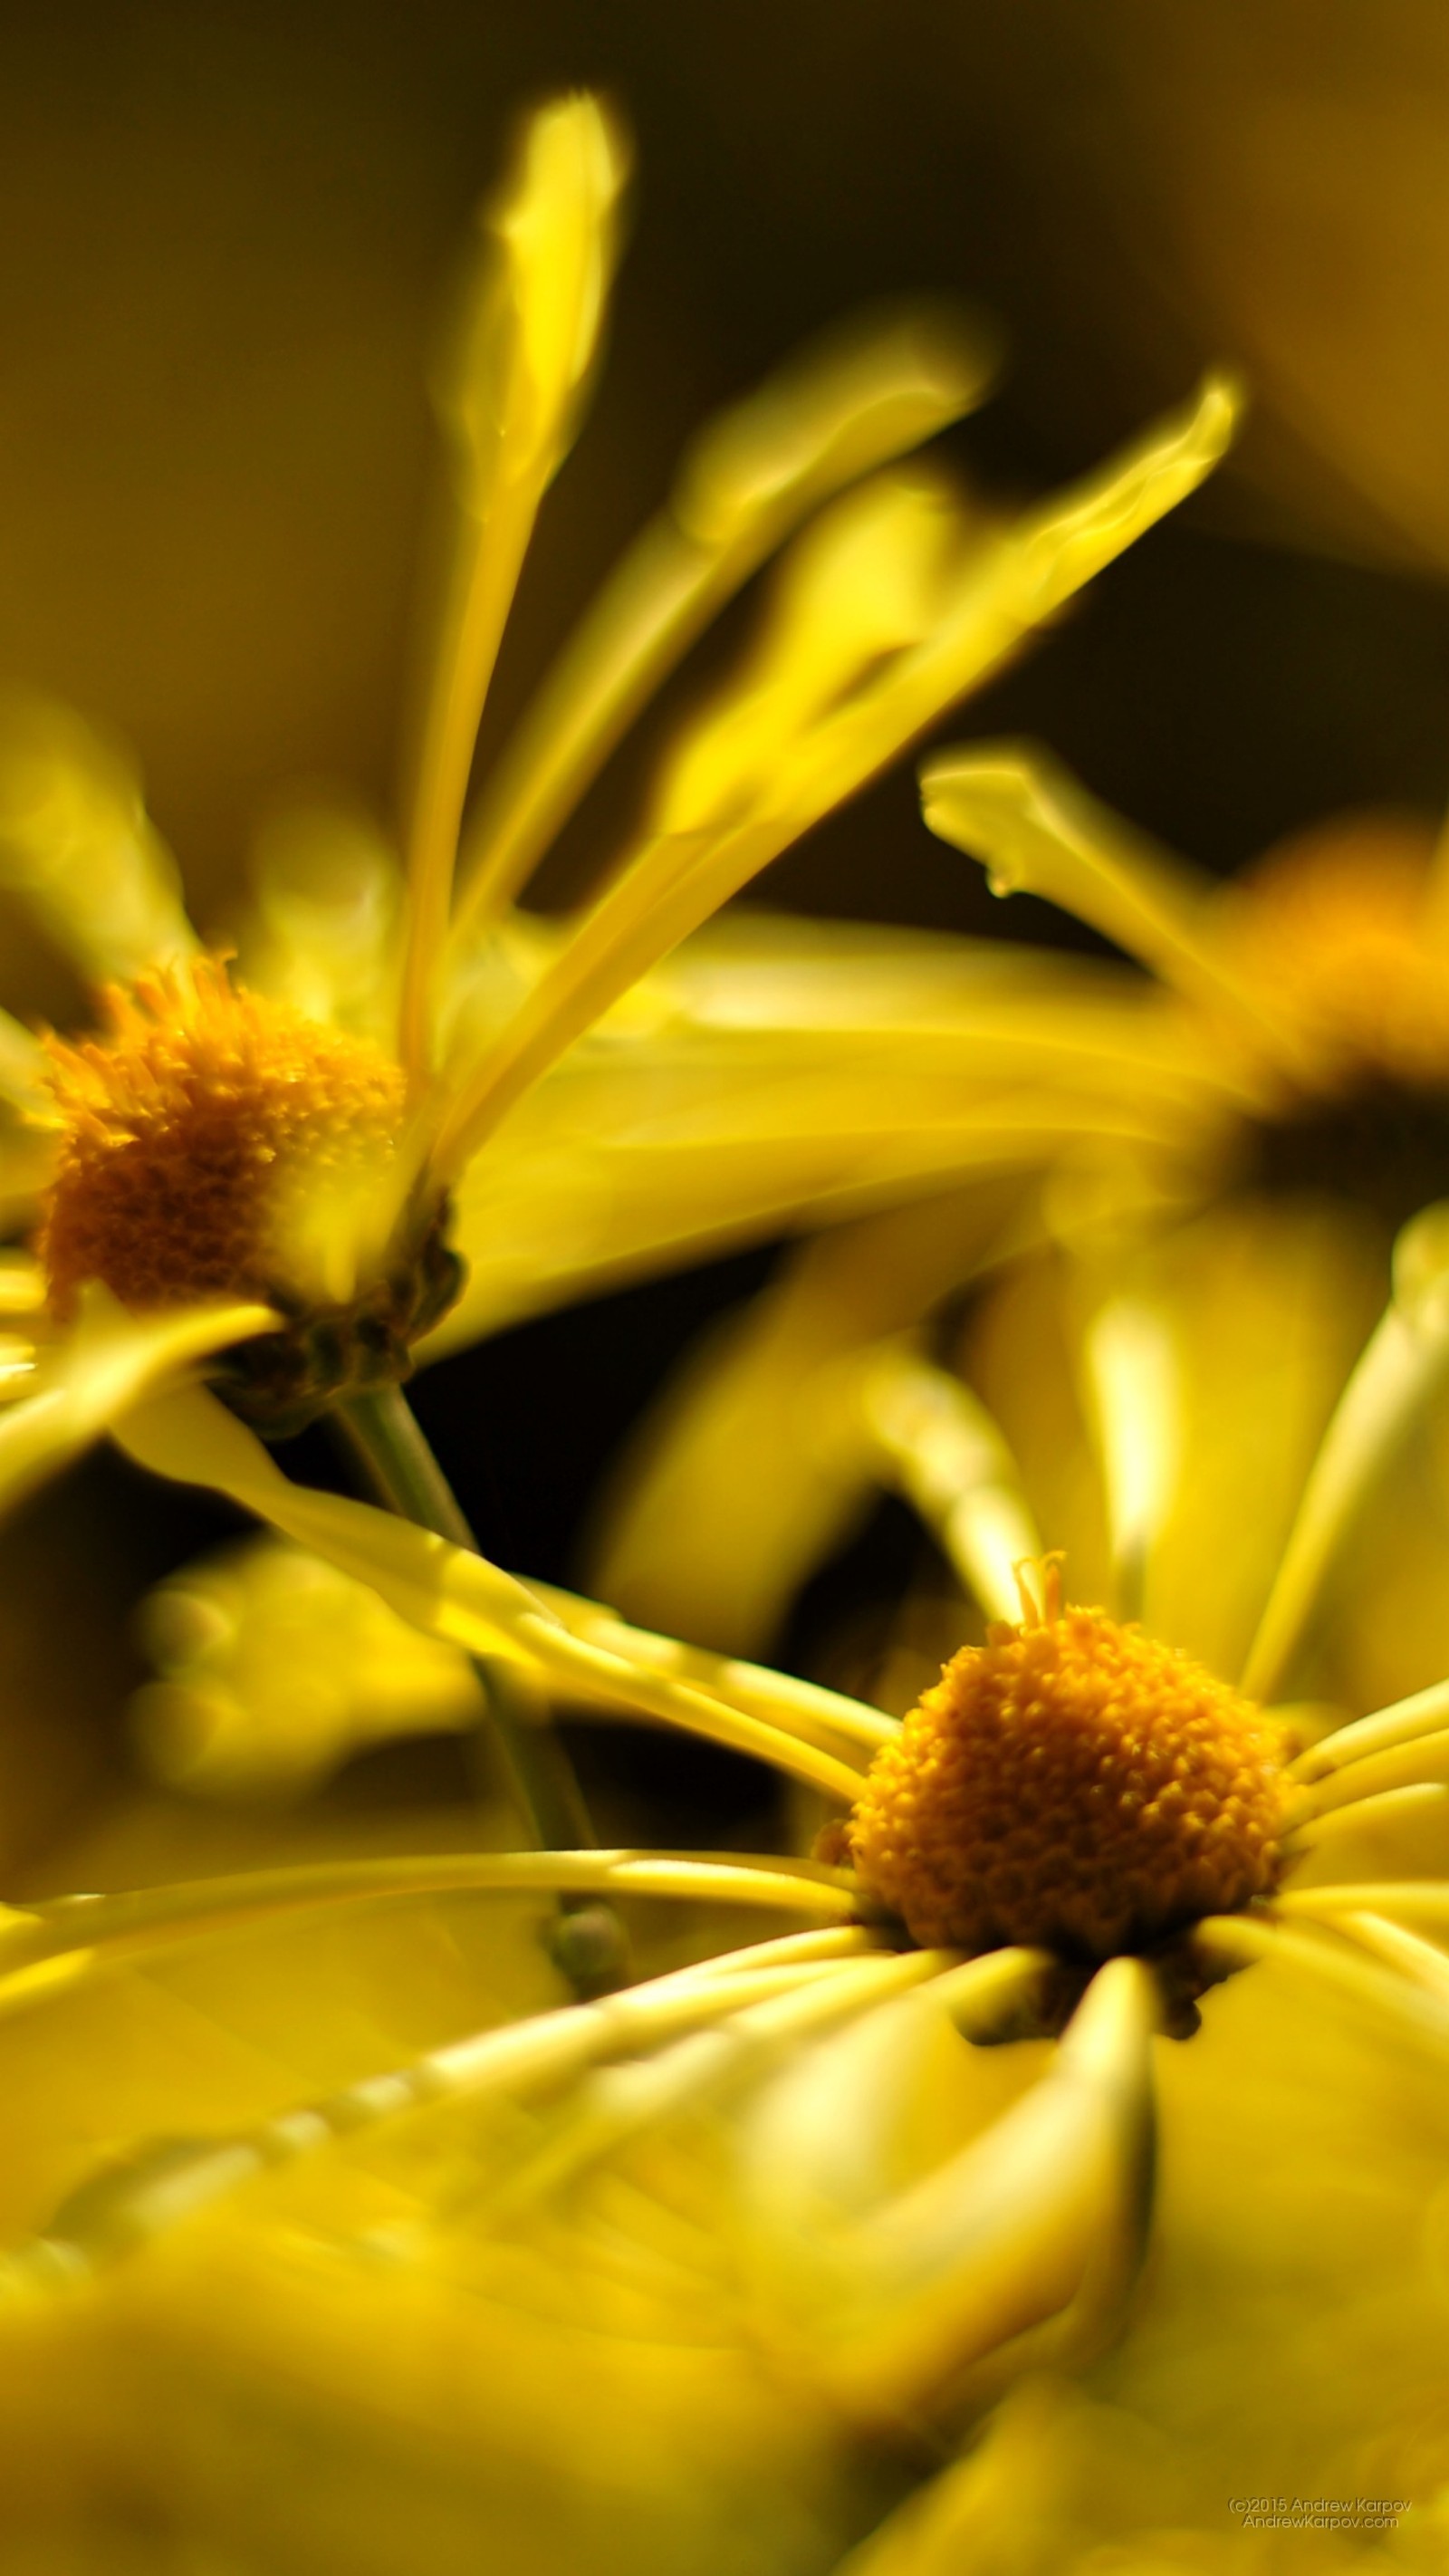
224 235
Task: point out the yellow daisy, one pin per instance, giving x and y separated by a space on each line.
429 1099
1303 1007
775 2219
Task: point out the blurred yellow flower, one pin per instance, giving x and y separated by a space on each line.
1299 1062
638 2276
1316 982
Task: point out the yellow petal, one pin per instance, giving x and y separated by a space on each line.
22 1285
941 1447
22 1079
1287 2339
1014 2486
27 1144
758 1456
677 878
323 930
511 407
777 1066
449 1592
78 848
830 415
1135 1380
866 581
1402 1370
272 1667
1264 1307
1424 1714
770 2010
778 971
1035 830
615 1166
423 2387
1400 1832
113 1361
1021 2244
818 1716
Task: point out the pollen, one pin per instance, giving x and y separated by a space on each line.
196 1132
1071 1784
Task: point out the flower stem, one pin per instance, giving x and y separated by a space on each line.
386 1440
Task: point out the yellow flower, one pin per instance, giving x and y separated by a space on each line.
416 1082
595 2272
1315 983
1299 1063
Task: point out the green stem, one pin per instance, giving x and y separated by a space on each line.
386 1440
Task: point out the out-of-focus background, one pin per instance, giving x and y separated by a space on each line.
224 239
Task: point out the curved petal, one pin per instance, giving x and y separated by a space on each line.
1403 1369
1038 2223
112 1362
450 1592
1035 830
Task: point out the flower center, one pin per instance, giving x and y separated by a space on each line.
217 1144
1339 925
1071 1784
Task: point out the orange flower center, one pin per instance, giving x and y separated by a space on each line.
1339 924
1071 1784
195 1131
216 1144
